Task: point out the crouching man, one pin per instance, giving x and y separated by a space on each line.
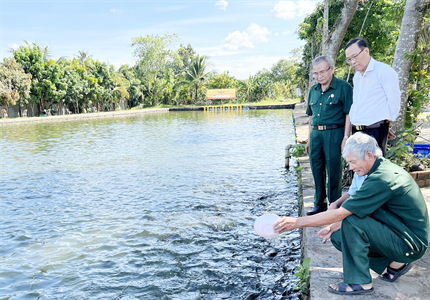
384 225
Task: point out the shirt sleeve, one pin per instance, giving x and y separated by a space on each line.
348 99
389 80
368 198
308 106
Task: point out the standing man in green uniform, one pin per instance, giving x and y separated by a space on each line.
328 108
383 226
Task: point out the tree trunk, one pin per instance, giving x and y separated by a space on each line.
41 106
331 45
32 109
325 26
407 42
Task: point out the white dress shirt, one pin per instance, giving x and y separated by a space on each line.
376 94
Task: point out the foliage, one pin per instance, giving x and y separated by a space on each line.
222 81
419 84
347 174
162 75
47 75
196 76
400 150
380 29
14 84
154 56
183 58
133 85
302 273
299 150
255 88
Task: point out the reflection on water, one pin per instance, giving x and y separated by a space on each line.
157 206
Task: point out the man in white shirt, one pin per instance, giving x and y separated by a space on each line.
376 95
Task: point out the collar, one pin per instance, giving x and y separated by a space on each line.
370 66
376 164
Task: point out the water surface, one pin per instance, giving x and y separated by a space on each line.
157 206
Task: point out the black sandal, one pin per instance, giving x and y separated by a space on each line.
356 289
395 272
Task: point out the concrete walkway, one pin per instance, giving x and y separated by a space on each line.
326 261
72 117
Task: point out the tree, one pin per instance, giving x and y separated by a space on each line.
46 74
154 55
134 86
183 58
380 29
197 74
407 42
53 87
73 82
331 45
14 84
222 81
83 56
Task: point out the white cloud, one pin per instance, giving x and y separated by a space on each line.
222 4
305 7
286 32
288 10
13 46
216 51
116 11
243 67
246 39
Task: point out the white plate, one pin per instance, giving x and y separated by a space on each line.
264 225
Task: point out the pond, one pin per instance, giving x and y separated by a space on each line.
156 206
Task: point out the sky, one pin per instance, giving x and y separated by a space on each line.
241 37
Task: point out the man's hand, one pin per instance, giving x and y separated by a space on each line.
391 134
326 232
343 144
285 224
332 206
307 147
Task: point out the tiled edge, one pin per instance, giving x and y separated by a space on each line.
422 178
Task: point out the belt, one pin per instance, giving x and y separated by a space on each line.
372 126
326 127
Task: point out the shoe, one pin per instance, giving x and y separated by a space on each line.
317 210
356 289
395 272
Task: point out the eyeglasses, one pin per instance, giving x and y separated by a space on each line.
320 73
353 58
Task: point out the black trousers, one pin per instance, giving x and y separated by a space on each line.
380 134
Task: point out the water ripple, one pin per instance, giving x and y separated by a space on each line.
157 206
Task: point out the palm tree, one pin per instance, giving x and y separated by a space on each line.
83 56
196 76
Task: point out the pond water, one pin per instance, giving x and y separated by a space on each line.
156 206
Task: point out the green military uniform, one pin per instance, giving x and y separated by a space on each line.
328 107
390 223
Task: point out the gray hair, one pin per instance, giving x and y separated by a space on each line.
325 58
359 144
